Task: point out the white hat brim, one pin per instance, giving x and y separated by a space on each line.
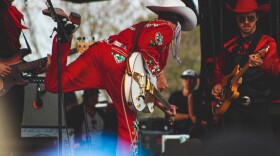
190 19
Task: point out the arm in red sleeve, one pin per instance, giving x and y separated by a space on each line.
154 43
76 76
220 61
271 61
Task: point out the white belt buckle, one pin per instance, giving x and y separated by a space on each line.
245 100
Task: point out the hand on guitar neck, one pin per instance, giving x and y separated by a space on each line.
171 112
255 61
45 68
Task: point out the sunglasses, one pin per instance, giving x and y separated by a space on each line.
242 19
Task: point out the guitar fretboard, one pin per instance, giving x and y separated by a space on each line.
26 66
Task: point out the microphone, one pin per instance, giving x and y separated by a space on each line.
38 102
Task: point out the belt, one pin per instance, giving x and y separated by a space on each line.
247 100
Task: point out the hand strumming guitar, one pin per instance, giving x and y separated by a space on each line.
4 70
216 91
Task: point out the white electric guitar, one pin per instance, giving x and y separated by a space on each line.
141 86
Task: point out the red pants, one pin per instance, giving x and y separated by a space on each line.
98 68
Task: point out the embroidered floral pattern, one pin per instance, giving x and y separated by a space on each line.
162 22
134 144
150 62
152 43
159 38
118 58
156 69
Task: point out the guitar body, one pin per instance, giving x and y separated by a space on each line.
17 67
229 93
7 82
135 85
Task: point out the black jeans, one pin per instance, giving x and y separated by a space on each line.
11 113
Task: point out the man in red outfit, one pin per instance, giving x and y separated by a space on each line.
248 113
103 65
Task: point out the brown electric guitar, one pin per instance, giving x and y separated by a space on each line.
230 84
18 66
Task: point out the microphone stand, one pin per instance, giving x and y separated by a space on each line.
61 33
88 138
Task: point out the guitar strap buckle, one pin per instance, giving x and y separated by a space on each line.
245 100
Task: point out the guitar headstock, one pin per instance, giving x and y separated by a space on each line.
83 45
263 51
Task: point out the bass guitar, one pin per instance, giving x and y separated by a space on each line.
140 86
230 84
18 66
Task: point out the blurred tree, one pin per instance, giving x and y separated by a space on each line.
83 1
102 19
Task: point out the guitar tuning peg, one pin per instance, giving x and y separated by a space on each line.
79 38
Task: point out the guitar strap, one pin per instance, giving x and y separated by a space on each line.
134 44
27 44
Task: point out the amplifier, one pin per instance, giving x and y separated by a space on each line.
47 114
171 141
42 134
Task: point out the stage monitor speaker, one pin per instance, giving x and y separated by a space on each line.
45 133
31 146
191 147
47 114
150 142
170 141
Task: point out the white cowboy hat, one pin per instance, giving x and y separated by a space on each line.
177 7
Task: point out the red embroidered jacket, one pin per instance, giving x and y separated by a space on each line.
92 68
153 42
255 81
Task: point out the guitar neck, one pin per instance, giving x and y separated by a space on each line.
165 103
161 99
241 72
26 66
246 66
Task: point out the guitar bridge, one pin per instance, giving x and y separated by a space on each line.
218 104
